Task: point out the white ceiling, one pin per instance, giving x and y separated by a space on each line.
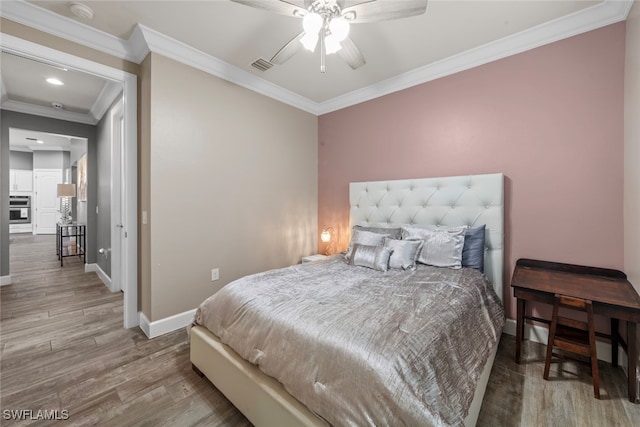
25 81
23 140
224 38
239 34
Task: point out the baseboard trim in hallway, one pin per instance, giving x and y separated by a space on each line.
88 268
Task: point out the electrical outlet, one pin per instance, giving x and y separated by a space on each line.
144 217
215 274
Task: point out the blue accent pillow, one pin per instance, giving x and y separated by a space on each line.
473 250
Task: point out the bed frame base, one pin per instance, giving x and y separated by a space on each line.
262 399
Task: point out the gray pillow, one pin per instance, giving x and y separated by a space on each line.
405 252
442 247
363 237
393 232
473 251
376 257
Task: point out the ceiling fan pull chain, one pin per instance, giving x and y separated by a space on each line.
322 54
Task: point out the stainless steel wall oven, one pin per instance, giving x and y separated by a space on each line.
19 209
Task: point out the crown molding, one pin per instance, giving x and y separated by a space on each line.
181 52
38 110
60 26
109 93
597 16
144 40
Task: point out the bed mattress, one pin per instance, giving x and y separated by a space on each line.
362 347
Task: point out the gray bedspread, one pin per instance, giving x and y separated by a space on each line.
362 347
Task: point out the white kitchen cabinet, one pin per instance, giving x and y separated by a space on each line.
20 180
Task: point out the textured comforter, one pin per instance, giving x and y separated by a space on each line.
363 347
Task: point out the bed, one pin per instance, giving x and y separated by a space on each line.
225 355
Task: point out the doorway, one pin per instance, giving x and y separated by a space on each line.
126 204
45 201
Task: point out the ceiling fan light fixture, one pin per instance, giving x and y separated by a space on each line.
339 28
331 44
312 22
309 41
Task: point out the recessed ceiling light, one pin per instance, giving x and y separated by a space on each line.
54 81
40 141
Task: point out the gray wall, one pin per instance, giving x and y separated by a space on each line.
11 119
21 160
78 148
103 151
49 159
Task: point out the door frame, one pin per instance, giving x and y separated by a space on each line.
129 278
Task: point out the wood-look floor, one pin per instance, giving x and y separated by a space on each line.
63 347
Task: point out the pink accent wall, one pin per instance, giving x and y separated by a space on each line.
550 119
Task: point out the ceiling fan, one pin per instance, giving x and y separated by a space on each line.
328 22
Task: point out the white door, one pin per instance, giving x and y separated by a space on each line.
46 201
117 227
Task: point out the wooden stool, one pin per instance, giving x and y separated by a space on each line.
573 336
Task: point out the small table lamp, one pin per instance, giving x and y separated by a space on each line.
326 236
66 191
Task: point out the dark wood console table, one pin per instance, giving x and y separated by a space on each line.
609 290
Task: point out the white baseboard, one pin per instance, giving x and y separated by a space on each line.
166 325
540 334
5 280
88 268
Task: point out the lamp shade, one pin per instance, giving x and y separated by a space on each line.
66 190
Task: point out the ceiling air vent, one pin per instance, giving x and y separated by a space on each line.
261 64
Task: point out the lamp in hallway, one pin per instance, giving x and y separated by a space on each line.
66 192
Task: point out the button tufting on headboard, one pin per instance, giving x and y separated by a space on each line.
464 200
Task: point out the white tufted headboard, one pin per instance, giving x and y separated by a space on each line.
458 200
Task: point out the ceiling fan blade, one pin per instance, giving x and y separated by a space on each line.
283 7
384 10
351 54
288 50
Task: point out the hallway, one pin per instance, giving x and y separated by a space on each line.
64 348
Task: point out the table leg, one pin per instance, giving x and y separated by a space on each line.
519 328
615 334
632 353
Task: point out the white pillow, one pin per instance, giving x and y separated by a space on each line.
442 246
405 252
